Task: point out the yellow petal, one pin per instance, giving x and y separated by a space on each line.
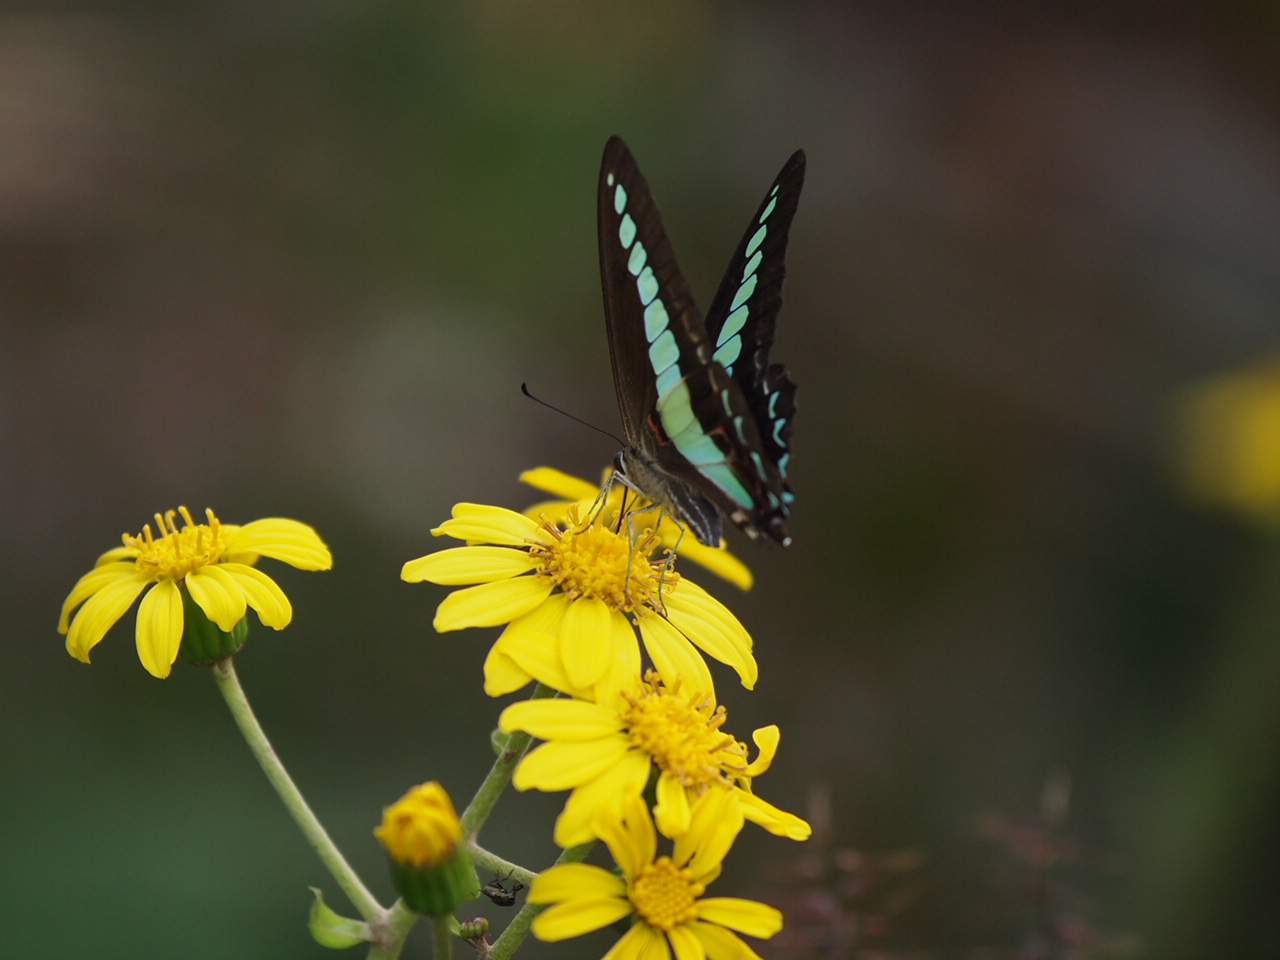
559 484
685 945
573 918
778 822
745 916
631 840
96 579
297 544
602 795
640 942
675 657
159 631
533 643
712 628
99 612
460 565
722 944
766 739
575 881
585 641
262 593
624 663
490 604
502 675
565 720
218 595
719 561
716 820
480 523
671 813
116 554
561 766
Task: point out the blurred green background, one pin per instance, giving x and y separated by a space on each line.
296 258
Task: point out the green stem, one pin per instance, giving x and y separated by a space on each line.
392 933
499 867
490 790
229 685
518 928
441 938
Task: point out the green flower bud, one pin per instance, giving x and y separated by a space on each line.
203 641
423 839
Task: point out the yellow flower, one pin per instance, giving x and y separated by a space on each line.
212 561
572 600
605 751
1230 425
662 894
423 839
421 828
586 495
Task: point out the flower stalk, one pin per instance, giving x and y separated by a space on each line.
486 796
364 902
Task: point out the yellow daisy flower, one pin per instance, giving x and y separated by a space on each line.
586 495
605 751
661 894
572 600
212 561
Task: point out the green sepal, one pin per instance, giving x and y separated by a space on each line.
498 739
203 641
440 888
332 930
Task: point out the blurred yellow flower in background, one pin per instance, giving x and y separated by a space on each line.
1230 441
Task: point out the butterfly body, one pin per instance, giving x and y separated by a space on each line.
707 416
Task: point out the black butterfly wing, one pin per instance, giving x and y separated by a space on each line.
629 221
744 314
693 437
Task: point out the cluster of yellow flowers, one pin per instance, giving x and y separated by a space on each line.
579 590
580 585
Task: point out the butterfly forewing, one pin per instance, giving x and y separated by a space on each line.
644 290
701 434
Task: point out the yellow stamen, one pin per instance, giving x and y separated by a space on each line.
177 551
590 560
682 735
664 894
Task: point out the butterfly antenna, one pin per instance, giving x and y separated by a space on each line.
524 388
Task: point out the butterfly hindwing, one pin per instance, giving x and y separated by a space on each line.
744 314
703 437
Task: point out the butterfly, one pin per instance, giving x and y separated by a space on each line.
707 417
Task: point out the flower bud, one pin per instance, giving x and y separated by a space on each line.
423 840
203 641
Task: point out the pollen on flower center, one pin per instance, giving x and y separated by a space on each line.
177 552
682 734
590 560
664 894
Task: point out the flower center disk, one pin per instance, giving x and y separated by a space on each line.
664 895
590 560
177 551
683 736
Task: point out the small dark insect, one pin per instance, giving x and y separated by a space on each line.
499 894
